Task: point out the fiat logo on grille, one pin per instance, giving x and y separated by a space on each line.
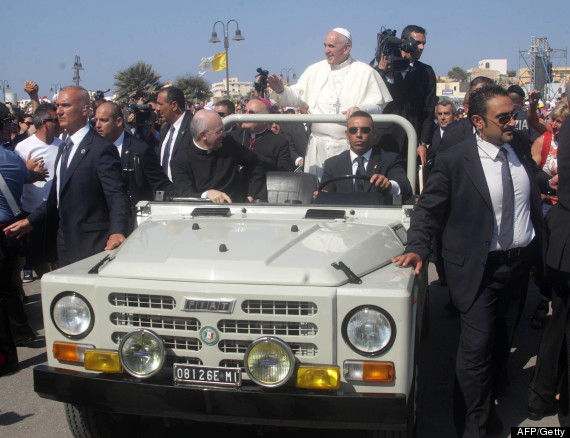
209 335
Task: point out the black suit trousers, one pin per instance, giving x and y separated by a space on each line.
551 369
487 330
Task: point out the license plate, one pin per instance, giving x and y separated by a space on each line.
207 375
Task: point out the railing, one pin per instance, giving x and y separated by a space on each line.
338 118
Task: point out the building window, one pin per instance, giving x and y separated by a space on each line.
487 65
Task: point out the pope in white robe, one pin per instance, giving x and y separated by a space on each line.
336 85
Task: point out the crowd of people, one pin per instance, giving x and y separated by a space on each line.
74 170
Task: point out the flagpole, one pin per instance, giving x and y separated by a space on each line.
237 37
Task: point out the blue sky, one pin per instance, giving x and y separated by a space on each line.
43 37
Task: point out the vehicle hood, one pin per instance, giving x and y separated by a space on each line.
255 252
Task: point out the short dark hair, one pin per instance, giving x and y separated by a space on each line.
43 111
480 80
361 114
412 28
228 104
478 99
174 94
115 109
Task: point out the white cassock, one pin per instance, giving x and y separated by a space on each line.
331 90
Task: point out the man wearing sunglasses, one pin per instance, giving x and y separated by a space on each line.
384 169
44 145
484 197
225 108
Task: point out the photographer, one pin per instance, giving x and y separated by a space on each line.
142 122
413 90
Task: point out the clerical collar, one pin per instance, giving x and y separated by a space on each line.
342 64
208 151
253 135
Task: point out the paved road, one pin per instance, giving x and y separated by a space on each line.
23 414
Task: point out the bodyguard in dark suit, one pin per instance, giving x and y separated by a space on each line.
384 169
88 200
552 365
175 133
483 195
110 125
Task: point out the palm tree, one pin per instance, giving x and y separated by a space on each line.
138 80
193 87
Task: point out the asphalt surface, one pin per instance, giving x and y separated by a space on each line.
24 414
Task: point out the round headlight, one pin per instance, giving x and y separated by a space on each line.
369 330
269 361
142 353
72 315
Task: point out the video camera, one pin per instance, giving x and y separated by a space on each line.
142 113
392 46
261 81
99 94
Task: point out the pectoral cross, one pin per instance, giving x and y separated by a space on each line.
337 106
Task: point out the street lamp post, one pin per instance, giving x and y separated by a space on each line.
5 86
287 75
55 87
237 37
77 66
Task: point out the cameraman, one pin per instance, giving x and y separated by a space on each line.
143 122
413 91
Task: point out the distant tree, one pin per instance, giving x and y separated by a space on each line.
194 87
458 74
138 80
511 73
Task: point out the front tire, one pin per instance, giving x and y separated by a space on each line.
90 423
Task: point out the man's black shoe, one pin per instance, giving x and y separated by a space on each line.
538 414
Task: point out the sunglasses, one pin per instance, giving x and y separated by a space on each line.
222 114
364 129
504 119
28 123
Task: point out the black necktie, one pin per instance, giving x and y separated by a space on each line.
63 161
167 150
508 210
360 171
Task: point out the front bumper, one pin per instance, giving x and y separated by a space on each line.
246 405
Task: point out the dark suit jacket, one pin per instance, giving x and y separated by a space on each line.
433 149
298 137
558 218
153 178
456 199
385 163
414 98
455 133
272 149
183 139
93 202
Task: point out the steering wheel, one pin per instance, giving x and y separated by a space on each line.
343 177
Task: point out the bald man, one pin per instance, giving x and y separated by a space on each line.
209 167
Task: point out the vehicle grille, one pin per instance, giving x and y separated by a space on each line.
268 328
299 349
268 307
175 342
291 320
155 321
142 300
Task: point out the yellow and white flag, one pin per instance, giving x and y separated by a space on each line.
213 63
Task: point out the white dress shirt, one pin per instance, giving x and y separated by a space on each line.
76 138
523 231
176 126
394 190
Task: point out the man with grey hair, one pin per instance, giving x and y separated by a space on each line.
445 115
337 85
87 203
210 166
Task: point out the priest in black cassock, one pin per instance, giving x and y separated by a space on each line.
272 149
209 168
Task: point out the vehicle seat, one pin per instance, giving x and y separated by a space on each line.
291 187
